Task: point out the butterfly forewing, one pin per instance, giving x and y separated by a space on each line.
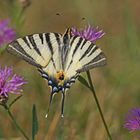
54 41
83 55
41 50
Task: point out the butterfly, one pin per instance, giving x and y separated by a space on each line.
60 58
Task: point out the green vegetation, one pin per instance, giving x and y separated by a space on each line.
117 84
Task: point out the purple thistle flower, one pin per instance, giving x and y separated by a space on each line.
9 82
132 121
7 34
90 33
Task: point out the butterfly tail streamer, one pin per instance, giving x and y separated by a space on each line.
62 105
50 102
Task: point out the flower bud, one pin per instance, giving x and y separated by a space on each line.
25 3
3 99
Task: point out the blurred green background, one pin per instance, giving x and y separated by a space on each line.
117 85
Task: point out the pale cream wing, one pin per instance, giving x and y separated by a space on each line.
82 56
41 50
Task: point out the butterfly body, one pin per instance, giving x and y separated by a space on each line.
59 58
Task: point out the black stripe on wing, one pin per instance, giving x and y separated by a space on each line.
98 61
48 41
73 40
77 46
41 38
65 46
83 44
57 38
87 51
91 55
66 36
58 41
93 50
16 49
32 41
50 44
26 42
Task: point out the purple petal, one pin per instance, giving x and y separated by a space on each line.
9 82
132 121
4 24
7 34
89 33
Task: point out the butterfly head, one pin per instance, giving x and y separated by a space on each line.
60 77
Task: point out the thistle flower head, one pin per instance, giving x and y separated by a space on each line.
7 34
132 121
90 33
9 83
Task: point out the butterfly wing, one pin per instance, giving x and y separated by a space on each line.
52 52
40 50
82 56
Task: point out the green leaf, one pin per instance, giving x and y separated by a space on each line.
84 81
34 122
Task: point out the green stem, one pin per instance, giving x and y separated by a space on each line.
98 105
14 121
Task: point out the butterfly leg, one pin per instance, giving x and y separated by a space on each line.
63 100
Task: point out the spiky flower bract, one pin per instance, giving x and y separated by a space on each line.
89 33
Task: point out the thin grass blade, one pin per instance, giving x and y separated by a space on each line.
34 122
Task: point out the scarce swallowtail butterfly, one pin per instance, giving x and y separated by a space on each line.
60 58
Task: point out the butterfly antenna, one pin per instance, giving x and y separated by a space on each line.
63 100
51 98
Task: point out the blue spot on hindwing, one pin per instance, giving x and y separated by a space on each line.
67 85
55 89
45 76
50 82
